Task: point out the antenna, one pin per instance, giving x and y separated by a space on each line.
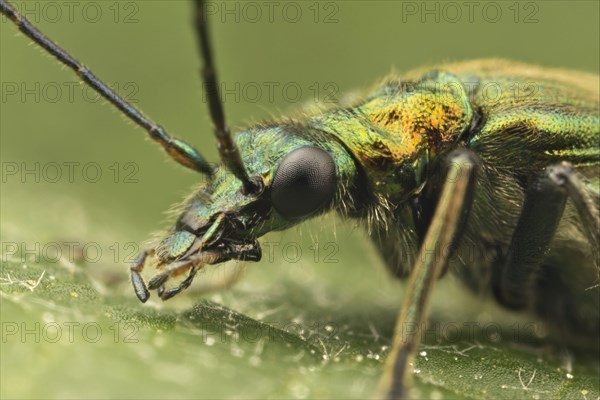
179 150
227 148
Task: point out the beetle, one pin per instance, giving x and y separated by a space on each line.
430 162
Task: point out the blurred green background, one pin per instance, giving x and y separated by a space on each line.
147 50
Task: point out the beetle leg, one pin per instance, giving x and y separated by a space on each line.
542 211
182 286
225 282
446 226
194 263
136 278
587 203
158 281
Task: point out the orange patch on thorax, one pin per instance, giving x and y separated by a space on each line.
419 121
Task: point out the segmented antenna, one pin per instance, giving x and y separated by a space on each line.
227 148
180 151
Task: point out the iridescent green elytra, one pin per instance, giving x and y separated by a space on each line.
487 169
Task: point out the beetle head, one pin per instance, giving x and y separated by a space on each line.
299 171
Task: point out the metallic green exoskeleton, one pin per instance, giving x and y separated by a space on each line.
509 129
486 169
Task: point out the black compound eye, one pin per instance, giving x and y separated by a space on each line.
304 181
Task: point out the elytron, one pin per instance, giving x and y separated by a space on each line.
432 164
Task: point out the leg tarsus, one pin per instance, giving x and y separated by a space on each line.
139 286
158 280
182 286
137 281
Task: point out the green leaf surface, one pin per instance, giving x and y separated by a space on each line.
66 334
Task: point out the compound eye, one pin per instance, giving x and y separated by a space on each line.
304 181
